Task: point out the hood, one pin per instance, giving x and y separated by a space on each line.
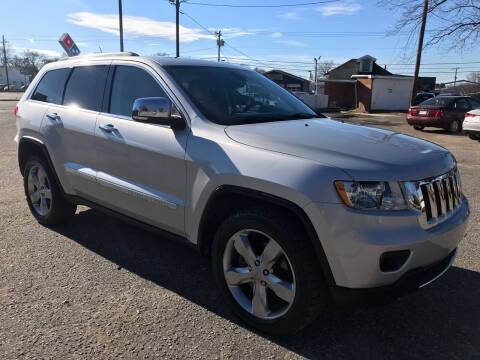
365 153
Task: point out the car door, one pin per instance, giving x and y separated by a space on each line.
141 166
460 107
70 128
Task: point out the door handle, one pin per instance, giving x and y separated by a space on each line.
53 116
108 128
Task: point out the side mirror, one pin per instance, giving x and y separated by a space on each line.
157 110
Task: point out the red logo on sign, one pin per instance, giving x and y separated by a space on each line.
68 41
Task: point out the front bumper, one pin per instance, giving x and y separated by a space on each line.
354 241
408 283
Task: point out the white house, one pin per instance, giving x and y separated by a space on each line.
386 92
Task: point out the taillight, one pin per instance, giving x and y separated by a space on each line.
439 113
15 111
469 115
409 111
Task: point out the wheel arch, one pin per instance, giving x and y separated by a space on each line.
219 207
29 146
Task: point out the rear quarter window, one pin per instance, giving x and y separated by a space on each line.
85 87
438 101
50 87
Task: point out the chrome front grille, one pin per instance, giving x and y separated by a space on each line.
437 198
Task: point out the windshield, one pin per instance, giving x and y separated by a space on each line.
437 101
230 96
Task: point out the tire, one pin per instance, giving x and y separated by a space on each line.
44 197
419 128
310 292
454 126
473 137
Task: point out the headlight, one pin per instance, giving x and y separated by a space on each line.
372 195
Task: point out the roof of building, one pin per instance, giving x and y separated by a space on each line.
352 67
285 73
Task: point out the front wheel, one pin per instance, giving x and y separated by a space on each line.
266 270
419 128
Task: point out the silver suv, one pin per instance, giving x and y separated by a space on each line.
295 210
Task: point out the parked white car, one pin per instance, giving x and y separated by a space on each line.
471 124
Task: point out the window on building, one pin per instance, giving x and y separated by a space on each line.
131 83
51 86
85 87
366 65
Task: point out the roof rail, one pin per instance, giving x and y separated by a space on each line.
126 53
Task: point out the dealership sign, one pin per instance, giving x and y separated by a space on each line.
68 45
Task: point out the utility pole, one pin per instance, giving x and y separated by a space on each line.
455 80
120 23
177 11
315 76
5 61
419 51
220 43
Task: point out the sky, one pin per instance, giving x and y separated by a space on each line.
286 38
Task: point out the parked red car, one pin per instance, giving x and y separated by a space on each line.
445 112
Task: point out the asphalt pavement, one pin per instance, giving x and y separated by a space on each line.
100 288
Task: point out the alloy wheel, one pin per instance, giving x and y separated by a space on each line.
39 190
259 274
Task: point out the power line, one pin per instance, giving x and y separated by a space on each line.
452 63
195 50
206 29
261 6
196 22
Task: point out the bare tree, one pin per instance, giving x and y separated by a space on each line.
474 76
30 62
454 23
325 67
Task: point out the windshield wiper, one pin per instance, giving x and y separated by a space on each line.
272 118
302 116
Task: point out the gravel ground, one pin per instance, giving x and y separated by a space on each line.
100 288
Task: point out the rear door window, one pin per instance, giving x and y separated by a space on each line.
131 83
438 101
50 87
85 87
475 104
462 104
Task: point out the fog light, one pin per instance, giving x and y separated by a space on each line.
393 260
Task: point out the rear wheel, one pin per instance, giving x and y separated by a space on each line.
419 128
454 126
267 272
473 137
44 198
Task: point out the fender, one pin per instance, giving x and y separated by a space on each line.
26 140
279 202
